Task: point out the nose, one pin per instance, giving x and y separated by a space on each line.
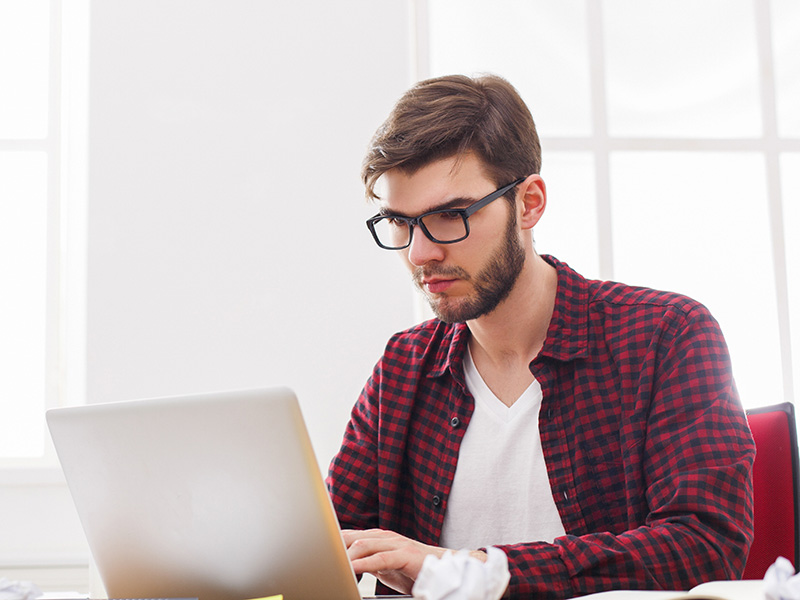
422 250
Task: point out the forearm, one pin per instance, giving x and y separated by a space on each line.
674 555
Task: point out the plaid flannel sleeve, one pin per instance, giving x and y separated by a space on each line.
352 477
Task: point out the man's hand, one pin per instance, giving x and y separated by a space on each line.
394 559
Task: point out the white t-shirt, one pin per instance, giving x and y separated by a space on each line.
501 493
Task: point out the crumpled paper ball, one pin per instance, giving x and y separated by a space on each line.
781 582
18 590
459 576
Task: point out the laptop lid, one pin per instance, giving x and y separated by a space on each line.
216 496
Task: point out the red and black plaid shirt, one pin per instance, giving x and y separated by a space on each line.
647 447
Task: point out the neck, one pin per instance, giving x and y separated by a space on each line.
516 329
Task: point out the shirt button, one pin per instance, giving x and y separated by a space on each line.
437 501
454 422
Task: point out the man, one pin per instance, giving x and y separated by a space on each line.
590 430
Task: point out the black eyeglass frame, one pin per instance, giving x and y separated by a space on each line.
464 213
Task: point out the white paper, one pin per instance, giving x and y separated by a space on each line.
781 582
18 590
459 576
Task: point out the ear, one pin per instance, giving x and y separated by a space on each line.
533 195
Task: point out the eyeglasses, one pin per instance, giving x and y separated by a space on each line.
445 226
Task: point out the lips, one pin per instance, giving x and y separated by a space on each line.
437 279
437 286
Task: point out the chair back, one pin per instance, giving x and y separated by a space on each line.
775 488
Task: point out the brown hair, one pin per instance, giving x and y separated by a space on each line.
450 116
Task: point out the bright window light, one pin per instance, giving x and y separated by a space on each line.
786 52
682 68
547 60
568 229
24 49
23 273
790 168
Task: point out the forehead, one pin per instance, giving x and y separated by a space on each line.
434 184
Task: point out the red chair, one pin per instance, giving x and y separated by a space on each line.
776 488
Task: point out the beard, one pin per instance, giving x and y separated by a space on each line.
491 285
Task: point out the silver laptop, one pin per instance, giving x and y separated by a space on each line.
213 496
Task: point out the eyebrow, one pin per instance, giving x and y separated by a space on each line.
450 204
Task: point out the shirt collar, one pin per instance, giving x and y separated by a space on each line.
450 356
567 335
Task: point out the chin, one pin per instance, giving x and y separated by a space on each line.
455 313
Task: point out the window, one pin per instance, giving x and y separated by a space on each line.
29 178
43 67
671 158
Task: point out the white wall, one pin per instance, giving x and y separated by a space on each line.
226 239
226 246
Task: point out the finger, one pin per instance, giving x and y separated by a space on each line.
367 546
379 561
351 535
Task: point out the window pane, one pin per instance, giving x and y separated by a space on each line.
547 59
693 223
682 68
568 229
23 264
790 173
24 47
786 50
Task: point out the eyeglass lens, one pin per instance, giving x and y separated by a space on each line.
444 226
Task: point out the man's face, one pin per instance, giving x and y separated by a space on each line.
467 279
